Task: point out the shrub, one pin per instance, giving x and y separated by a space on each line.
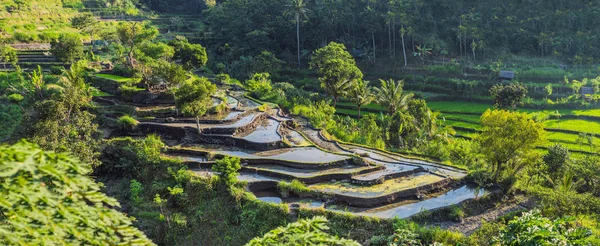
227 169
127 122
259 84
15 98
295 187
67 48
223 78
534 229
303 232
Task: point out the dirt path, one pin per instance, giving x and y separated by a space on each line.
471 224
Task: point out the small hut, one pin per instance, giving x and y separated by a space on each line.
506 75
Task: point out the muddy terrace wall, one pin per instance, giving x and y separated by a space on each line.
267 161
387 177
391 198
314 179
163 115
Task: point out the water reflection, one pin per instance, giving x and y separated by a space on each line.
450 198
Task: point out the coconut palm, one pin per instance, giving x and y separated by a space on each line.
297 8
361 94
392 95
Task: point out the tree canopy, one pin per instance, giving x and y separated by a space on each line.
508 140
337 69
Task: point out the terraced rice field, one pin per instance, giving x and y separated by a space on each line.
325 171
388 187
464 117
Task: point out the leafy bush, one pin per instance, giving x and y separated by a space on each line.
302 232
534 229
259 84
15 98
67 48
319 114
223 78
127 122
227 169
295 187
49 197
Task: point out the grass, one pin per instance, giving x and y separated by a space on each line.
100 93
574 125
118 78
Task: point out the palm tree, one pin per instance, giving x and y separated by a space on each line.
392 95
298 9
361 94
422 52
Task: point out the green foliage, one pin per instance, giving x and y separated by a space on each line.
8 55
295 187
508 141
67 48
556 161
15 98
83 21
302 232
337 69
48 197
132 34
135 190
127 122
361 94
534 229
138 159
227 169
404 237
62 122
508 96
259 84
319 114
190 55
162 71
150 51
10 117
391 95
193 97
246 66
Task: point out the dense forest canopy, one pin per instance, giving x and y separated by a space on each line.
566 29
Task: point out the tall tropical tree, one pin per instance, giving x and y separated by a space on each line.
297 8
337 70
361 94
391 94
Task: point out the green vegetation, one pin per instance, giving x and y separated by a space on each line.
433 69
47 197
127 122
302 232
337 70
193 98
227 169
67 48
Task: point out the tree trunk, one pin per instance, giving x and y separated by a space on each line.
390 37
374 52
473 48
460 46
298 38
358 106
404 50
198 124
335 99
394 36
